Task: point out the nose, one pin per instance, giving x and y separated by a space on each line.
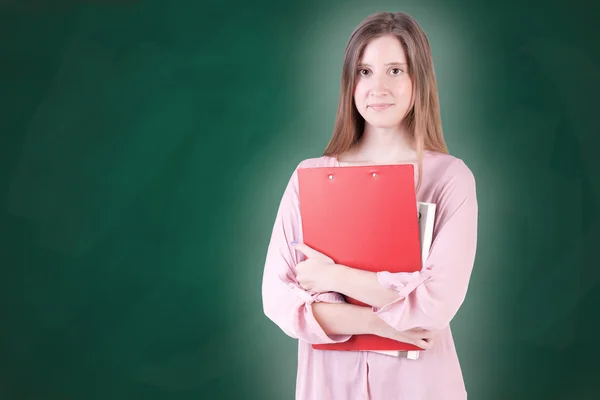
379 86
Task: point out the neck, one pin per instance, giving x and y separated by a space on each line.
384 145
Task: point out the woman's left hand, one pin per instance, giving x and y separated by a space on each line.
318 273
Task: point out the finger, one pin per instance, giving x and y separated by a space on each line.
422 342
309 252
428 335
418 339
305 249
423 333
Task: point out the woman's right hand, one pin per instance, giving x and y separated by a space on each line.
419 337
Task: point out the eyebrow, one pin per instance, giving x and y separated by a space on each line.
388 64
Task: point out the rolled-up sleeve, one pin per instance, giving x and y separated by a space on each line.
284 301
431 298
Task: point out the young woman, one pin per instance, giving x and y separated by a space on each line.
388 114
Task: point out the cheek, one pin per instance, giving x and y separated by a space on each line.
403 94
404 88
359 94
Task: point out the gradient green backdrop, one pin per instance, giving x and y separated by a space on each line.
145 147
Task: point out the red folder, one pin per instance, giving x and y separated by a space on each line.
363 217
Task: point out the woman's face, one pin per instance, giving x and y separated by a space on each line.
383 91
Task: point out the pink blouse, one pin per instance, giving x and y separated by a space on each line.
428 299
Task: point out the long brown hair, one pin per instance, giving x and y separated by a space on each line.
423 119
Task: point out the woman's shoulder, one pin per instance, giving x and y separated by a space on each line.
316 162
444 165
313 162
446 170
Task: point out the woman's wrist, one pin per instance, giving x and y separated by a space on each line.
347 319
379 327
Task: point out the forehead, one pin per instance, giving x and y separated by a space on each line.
385 49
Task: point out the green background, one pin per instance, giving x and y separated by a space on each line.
145 147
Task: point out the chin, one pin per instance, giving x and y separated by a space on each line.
382 123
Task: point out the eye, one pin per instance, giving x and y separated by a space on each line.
396 71
363 72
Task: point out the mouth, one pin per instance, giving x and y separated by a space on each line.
380 106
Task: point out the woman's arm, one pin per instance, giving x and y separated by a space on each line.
430 298
285 302
363 286
346 319
349 319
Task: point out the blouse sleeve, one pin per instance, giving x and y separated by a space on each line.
284 301
430 298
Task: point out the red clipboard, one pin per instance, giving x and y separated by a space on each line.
364 217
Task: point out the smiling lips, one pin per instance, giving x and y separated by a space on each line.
380 106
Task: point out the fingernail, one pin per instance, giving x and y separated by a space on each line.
294 243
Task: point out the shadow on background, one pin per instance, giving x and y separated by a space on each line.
145 147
